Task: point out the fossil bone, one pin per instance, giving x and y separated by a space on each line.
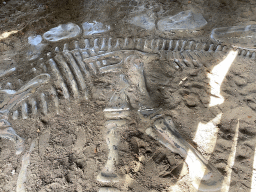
35 48
145 21
12 98
117 113
7 132
238 36
72 71
61 32
183 21
108 189
6 72
94 28
205 177
23 172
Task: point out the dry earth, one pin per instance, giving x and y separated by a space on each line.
70 147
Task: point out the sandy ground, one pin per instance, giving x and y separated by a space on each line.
70 148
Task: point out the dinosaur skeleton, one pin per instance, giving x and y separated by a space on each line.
72 72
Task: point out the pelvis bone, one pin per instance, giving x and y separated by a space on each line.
118 110
205 176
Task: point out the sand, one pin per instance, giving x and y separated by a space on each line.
70 148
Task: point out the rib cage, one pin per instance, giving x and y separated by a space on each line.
72 77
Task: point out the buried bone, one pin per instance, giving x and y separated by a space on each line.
237 36
183 21
10 99
116 112
62 32
205 177
7 132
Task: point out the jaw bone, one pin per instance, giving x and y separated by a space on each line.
205 177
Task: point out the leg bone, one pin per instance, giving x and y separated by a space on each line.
117 113
204 175
109 172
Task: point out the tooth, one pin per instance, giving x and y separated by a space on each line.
191 45
15 115
163 45
243 52
219 47
177 46
211 48
139 44
110 45
253 55
86 44
65 48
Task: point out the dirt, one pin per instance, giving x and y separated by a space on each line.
70 148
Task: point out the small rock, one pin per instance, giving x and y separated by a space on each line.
240 81
142 159
135 166
191 100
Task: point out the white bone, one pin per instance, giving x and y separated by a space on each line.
204 176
